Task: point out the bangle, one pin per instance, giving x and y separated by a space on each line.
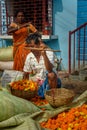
18 27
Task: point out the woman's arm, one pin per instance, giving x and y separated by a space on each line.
32 28
14 27
11 30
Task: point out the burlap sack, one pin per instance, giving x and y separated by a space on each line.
11 105
6 65
6 53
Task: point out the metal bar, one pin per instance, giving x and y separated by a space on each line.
6 13
77 29
43 13
79 50
84 46
69 51
74 54
35 12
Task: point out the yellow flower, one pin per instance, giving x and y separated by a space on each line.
69 128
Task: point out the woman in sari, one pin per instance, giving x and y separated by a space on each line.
20 30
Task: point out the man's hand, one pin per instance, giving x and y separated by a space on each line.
43 46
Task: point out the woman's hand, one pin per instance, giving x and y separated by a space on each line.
25 25
16 27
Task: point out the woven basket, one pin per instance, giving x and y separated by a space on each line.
24 94
59 96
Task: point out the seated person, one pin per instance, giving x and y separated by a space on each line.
39 65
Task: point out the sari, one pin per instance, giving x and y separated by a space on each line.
19 38
20 57
20 35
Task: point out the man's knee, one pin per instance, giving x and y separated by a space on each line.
52 75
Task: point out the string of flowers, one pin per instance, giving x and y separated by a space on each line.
39 101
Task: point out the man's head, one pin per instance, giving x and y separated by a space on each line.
34 38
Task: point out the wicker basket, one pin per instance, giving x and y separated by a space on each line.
24 94
59 96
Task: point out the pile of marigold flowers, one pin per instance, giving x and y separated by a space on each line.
39 101
74 119
24 85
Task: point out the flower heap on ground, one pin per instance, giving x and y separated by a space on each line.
74 119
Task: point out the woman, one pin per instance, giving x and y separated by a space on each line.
39 65
20 30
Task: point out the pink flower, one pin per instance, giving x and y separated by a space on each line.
40 82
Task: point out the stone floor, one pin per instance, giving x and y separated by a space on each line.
76 85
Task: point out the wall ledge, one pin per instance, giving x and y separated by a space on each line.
44 37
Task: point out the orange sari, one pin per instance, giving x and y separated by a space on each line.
20 35
19 38
20 57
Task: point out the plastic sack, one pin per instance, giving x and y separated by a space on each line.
10 76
